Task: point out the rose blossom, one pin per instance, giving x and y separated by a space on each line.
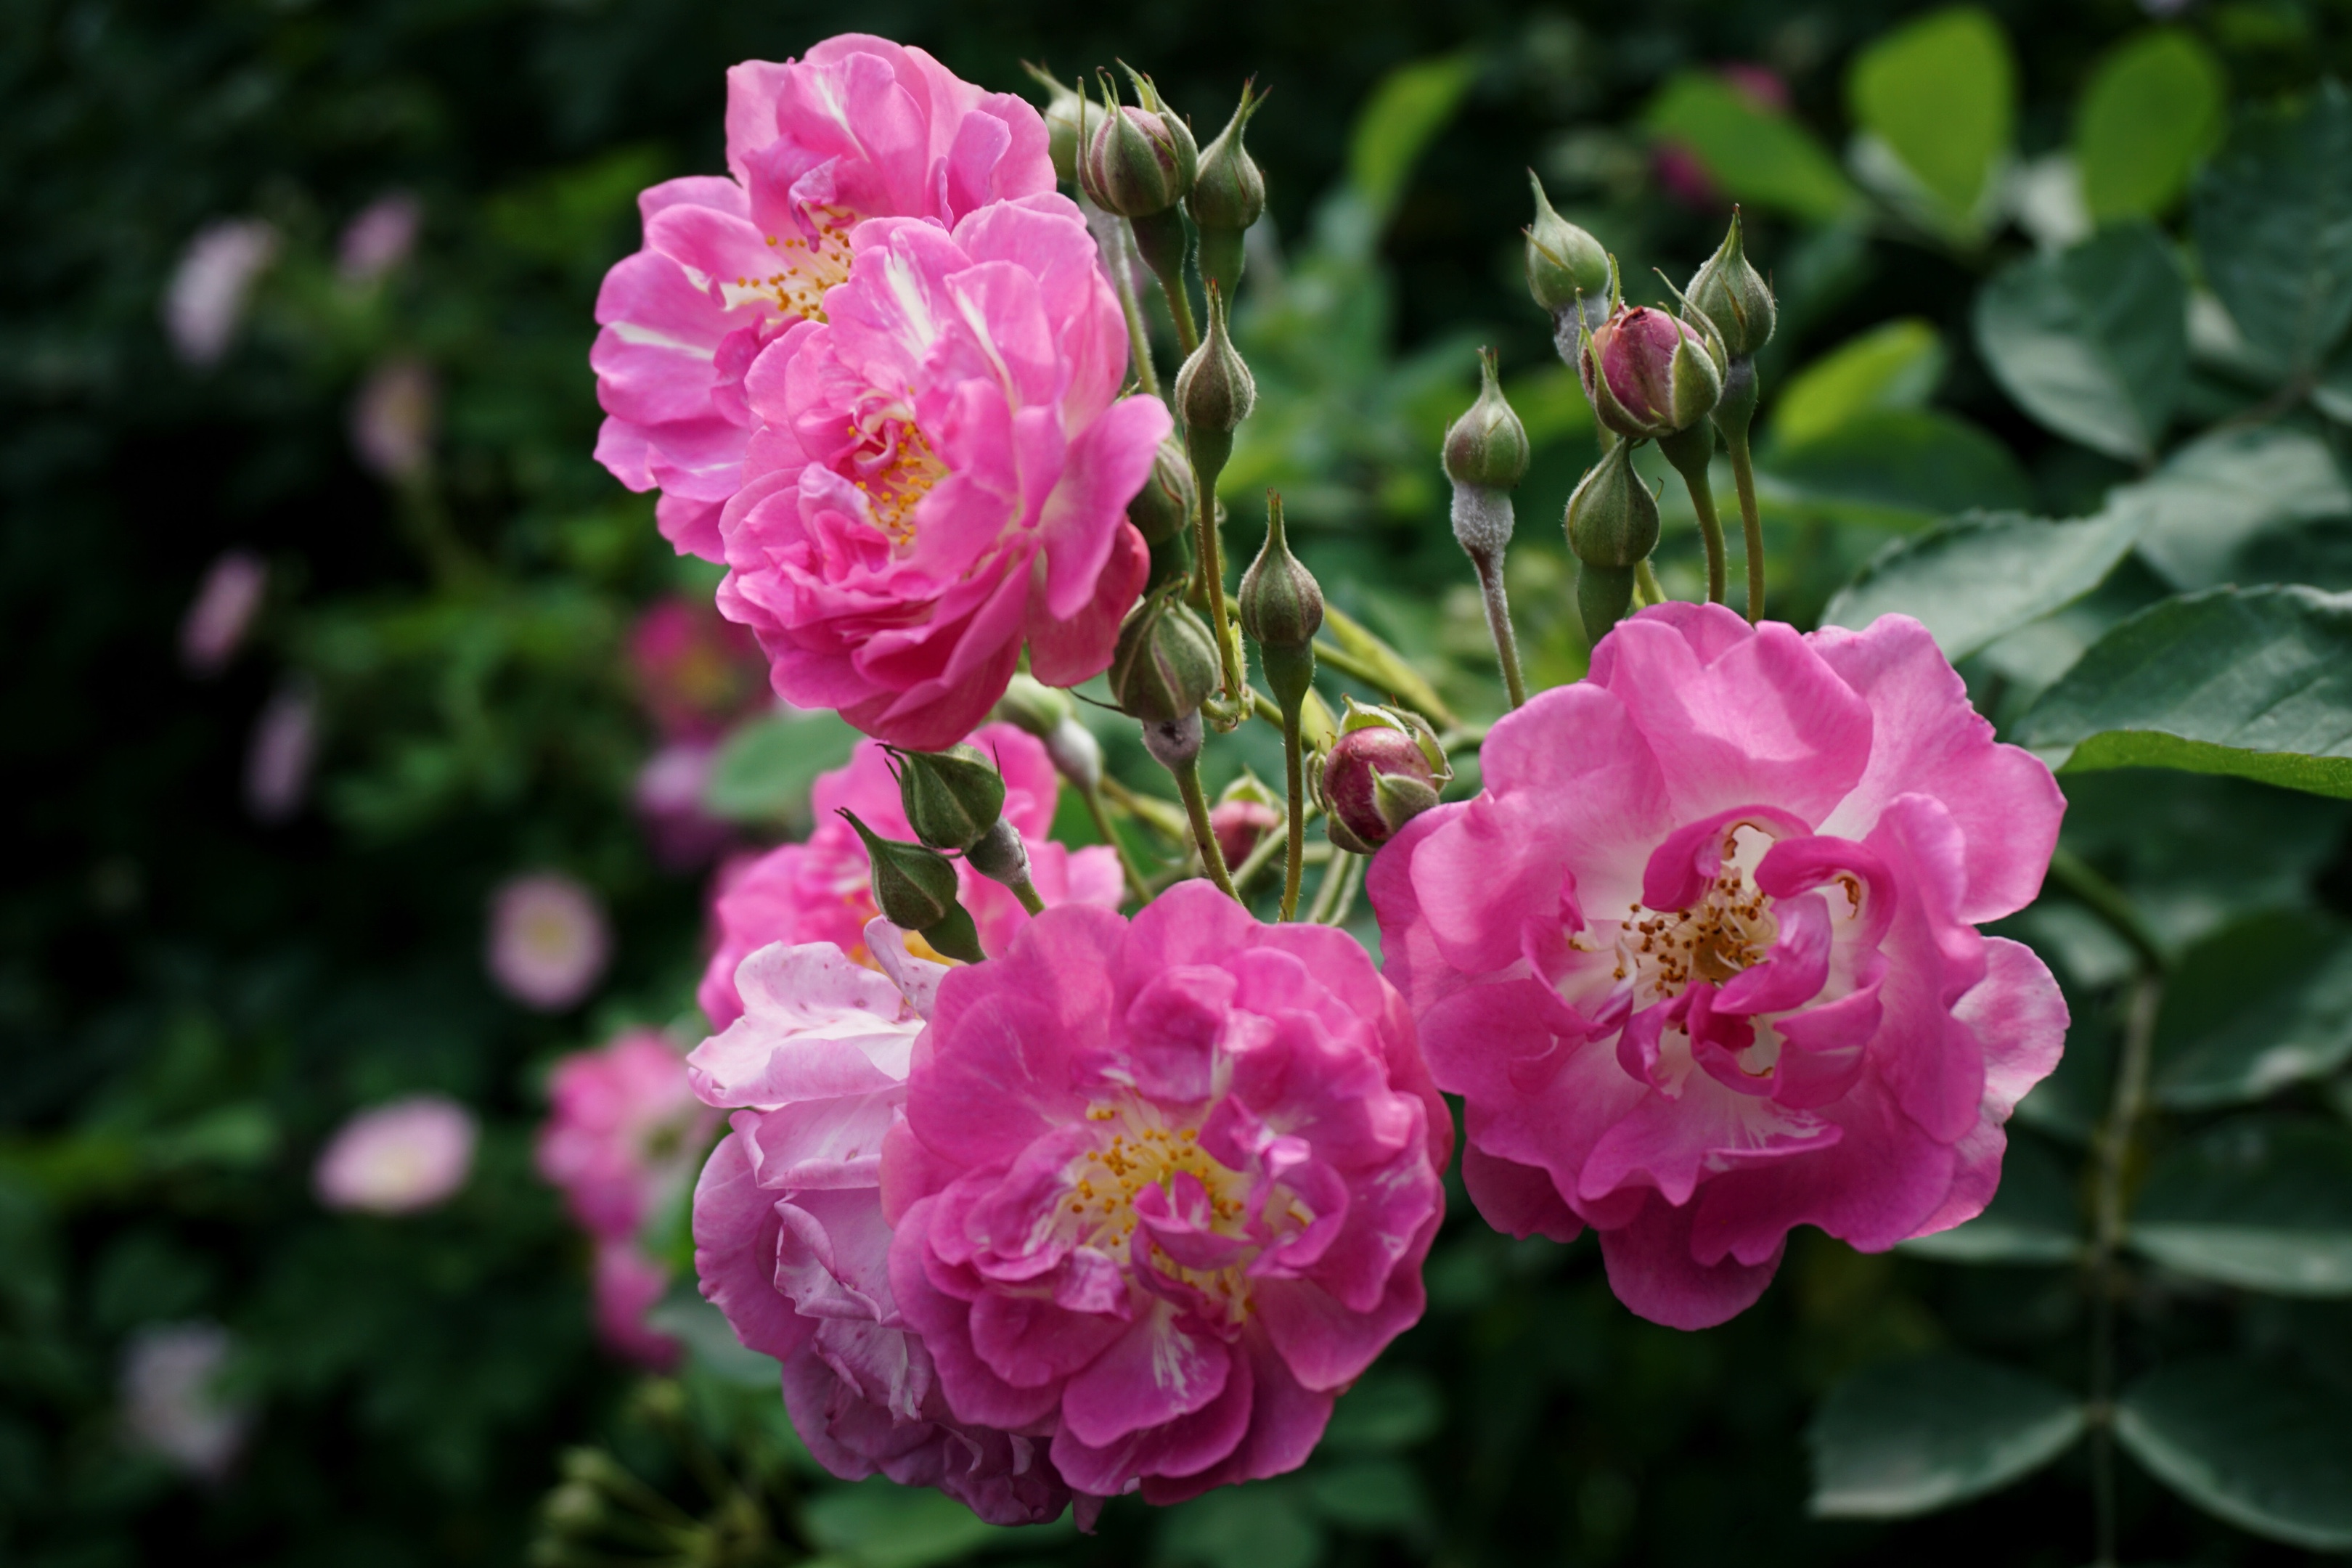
942 473
667 794
379 238
1163 1189
1702 957
393 416
205 303
173 1404
628 1285
624 1131
695 671
821 892
790 1240
548 940
398 1158
222 611
861 128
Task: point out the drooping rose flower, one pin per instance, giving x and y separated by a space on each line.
1702 957
624 1131
790 1240
401 1157
942 473
1163 1189
860 128
173 1403
548 940
820 891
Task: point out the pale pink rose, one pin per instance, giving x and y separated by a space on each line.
860 128
624 1132
822 890
1702 958
696 672
172 1404
790 1240
393 416
379 238
628 1286
278 757
942 473
548 940
1163 1189
205 302
401 1157
222 611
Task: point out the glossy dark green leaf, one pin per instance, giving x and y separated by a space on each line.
2273 220
1898 467
2221 493
2262 1448
2225 1037
1940 94
2093 342
1978 577
1911 1436
2032 1218
763 772
2255 682
2263 1203
2151 109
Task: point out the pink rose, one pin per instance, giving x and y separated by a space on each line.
624 1131
1163 1189
696 672
821 892
401 1157
1702 958
548 940
942 473
862 128
628 1285
790 1240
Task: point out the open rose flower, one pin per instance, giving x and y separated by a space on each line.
1163 1189
822 890
860 128
790 1240
942 473
1702 958
624 1131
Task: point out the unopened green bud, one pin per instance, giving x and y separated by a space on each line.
1733 295
1282 609
1604 594
1228 195
1214 390
915 888
1487 446
1138 161
1065 117
1164 665
1566 265
1385 769
574 1507
1613 519
951 797
999 855
1163 508
1037 708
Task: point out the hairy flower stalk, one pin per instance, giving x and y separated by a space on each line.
1485 456
1729 294
1282 609
1214 393
1049 715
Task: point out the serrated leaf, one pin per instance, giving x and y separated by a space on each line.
764 770
2032 1218
2093 342
1981 577
1756 156
2150 110
1913 1436
2221 1041
2273 220
2258 1202
1940 94
1894 366
2222 493
2256 682
1897 467
2259 1446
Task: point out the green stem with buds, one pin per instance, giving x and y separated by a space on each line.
1336 894
1690 451
1293 772
1751 524
1214 446
1204 838
1092 798
1159 238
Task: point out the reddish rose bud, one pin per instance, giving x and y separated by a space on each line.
1385 769
1648 374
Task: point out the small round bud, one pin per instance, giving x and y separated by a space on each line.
1733 295
1604 594
1039 709
1174 744
1228 195
1138 161
1164 665
951 797
1648 374
1214 390
1487 446
1565 263
1065 115
1385 769
574 1507
999 854
1163 508
1613 519
1281 603
915 888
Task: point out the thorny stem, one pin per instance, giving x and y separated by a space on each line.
2113 1151
1092 795
1294 767
1204 838
1489 565
1751 523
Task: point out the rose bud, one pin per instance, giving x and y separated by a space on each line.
1648 374
1228 195
1567 268
1385 769
1733 295
1138 160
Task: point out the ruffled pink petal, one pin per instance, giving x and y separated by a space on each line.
1651 1270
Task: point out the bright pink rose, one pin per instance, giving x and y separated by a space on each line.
941 473
822 891
624 1131
862 128
1163 1189
790 1240
1702 957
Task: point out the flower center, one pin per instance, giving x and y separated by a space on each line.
1105 1182
808 268
894 468
1729 929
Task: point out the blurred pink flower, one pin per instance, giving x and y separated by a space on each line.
696 672
861 128
379 238
1681 171
173 1404
821 892
400 1157
942 475
667 794
624 1133
394 417
628 1286
1702 957
222 610
205 302
278 758
548 940
1239 824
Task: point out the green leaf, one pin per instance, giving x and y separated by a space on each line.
2259 1446
878 1523
1407 108
764 771
2258 1202
1261 1525
1979 577
2094 342
1911 1436
1940 94
2151 109
1378 1495
2255 682
2221 1041
710 1339
2273 220
1894 366
2214 497
1384 1412
1756 155
2032 1218
1897 467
